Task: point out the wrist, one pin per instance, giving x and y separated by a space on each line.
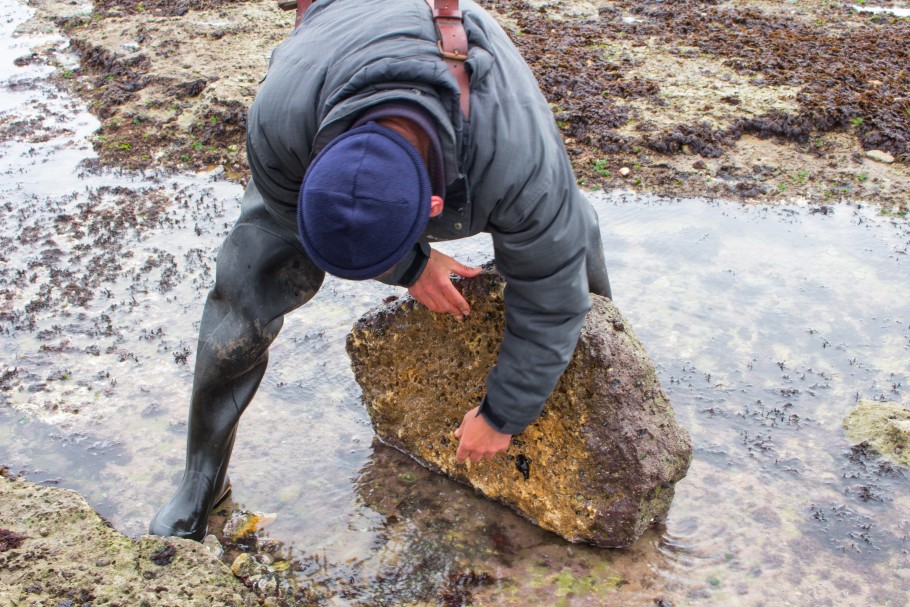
418 264
409 268
490 416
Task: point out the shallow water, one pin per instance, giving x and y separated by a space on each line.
894 10
766 325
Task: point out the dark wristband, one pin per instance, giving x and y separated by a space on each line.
421 256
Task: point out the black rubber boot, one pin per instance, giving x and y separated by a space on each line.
186 514
261 274
596 263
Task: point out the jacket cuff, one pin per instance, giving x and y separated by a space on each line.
495 420
408 270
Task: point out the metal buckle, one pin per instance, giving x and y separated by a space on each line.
451 55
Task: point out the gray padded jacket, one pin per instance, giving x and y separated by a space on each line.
507 172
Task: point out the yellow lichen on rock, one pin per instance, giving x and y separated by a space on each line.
244 523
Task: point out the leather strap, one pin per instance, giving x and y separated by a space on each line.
453 40
302 6
453 45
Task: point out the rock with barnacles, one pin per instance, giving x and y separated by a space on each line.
883 426
600 463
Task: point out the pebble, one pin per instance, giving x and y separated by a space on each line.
625 171
267 585
245 523
211 542
880 156
245 567
268 545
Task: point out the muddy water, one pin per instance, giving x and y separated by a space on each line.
766 325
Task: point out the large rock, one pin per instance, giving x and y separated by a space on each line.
56 550
598 466
883 426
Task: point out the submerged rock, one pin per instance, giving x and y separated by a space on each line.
883 426
880 156
244 523
244 566
69 555
598 466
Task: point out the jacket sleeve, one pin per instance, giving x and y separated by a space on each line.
540 249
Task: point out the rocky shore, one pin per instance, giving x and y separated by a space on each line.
56 550
765 101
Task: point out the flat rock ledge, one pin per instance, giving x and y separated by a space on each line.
883 426
598 466
56 550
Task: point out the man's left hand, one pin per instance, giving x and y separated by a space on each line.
478 439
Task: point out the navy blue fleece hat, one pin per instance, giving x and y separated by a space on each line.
363 203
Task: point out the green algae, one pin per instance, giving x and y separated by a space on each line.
407 477
571 584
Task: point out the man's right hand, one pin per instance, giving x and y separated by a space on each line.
435 290
478 440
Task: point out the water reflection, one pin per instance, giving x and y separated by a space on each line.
766 325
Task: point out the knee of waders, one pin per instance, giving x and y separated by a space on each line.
264 274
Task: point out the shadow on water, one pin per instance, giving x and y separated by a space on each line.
766 325
74 461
